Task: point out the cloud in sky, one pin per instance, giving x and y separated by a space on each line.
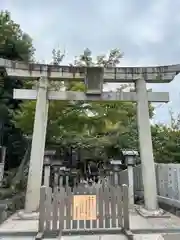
146 31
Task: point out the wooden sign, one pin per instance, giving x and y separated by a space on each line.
84 207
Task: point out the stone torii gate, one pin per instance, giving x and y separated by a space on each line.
94 78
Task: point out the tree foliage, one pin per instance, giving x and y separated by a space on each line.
14 45
166 141
80 123
105 127
112 59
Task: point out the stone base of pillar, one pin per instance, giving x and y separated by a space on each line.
22 215
159 213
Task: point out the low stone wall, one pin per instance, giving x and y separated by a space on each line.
11 205
168 183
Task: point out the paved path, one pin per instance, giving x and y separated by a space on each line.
141 227
106 237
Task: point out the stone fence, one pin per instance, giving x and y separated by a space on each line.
168 183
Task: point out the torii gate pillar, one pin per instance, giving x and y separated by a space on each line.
37 149
146 149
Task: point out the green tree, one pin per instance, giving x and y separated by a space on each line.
166 141
84 123
14 45
57 56
112 59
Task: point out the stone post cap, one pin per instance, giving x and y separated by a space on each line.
47 156
49 153
116 162
130 157
47 162
130 153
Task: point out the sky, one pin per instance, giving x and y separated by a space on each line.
146 31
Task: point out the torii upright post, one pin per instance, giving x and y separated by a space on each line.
94 80
38 146
145 144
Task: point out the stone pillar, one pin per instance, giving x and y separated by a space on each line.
131 185
146 149
60 179
2 163
130 160
37 149
56 176
48 158
116 171
47 170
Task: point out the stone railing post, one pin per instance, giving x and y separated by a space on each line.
47 169
2 163
48 156
116 164
56 176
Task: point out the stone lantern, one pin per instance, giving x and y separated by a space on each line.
130 157
116 166
130 161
